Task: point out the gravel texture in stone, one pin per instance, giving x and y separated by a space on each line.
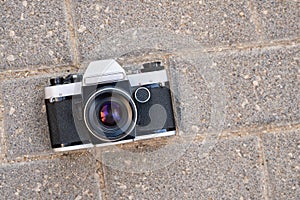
67 177
1 127
25 122
230 171
33 33
261 86
278 19
282 155
101 24
197 93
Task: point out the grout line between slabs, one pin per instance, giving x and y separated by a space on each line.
35 70
255 19
72 32
255 130
2 135
264 168
101 174
226 135
275 44
25 73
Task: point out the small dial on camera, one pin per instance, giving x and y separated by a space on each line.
142 94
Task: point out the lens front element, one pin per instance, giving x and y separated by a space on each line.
110 113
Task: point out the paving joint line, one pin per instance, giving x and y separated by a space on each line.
255 19
100 172
243 47
72 32
42 69
24 73
2 135
225 135
42 156
258 130
264 168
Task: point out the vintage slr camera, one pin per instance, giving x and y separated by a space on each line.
104 106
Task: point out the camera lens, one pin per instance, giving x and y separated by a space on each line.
110 113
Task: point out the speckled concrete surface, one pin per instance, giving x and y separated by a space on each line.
235 75
25 120
1 130
67 177
260 84
211 22
190 89
33 33
230 172
279 19
282 155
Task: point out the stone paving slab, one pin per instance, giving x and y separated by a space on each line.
260 85
231 171
25 122
282 154
66 177
278 19
33 33
210 22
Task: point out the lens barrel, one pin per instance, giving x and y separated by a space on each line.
110 114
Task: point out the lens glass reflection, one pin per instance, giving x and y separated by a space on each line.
110 113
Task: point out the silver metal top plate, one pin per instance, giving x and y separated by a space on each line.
148 78
62 90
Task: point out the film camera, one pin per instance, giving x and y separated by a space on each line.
104 106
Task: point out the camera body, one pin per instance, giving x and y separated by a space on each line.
104 106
